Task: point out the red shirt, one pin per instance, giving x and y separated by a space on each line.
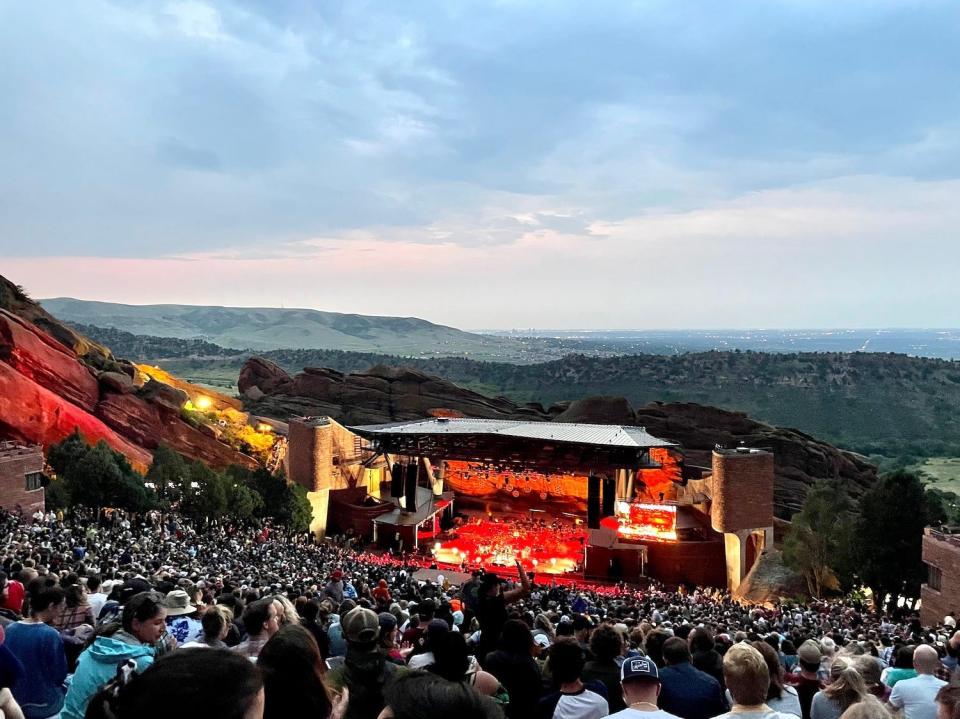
13 596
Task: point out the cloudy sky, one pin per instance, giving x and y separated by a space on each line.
489 164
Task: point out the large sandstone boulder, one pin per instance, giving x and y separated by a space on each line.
770 580
32 413
263 374
117 382
147 424
164 397
46 361
599 410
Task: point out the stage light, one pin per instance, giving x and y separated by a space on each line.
535 562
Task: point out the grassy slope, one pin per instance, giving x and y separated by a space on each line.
268 328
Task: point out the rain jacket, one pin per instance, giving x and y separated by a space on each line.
98 665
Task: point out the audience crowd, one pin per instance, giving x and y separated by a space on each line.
125 617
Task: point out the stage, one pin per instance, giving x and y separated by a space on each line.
543 545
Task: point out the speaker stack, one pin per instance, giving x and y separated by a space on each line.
593 502
396 480
410 487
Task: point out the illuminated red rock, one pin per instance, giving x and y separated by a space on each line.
148 425
54 381
50 364
34 414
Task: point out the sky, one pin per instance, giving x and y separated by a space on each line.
501 164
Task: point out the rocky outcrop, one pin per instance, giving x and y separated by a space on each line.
31 413
770 580
54 381
599 410
800 460
263 376
387 394
46 361
382 394
139 419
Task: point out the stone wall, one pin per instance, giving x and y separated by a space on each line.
940 552
16 462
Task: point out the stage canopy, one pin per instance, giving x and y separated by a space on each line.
550 446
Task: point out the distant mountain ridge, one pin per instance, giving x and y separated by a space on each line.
264 328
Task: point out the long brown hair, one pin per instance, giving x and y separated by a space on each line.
293 675
847 686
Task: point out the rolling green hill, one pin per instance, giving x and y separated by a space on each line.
271 328
886 405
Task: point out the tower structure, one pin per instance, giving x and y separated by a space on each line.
742 507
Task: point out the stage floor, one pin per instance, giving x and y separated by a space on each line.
543 546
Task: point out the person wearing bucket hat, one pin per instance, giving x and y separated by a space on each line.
182 622
365 669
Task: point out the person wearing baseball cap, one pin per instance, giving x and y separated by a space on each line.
365 669
807 682
640 682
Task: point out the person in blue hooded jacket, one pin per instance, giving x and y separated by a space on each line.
142 625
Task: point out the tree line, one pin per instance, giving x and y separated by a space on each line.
99 476
838 547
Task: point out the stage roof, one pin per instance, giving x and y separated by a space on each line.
545 446
602 435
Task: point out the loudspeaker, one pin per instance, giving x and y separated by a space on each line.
593 502
396 480
609 496
410 487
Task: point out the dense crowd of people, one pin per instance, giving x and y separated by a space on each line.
108 615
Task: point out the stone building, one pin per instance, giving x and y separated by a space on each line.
324 456
941 593
742 507
21 477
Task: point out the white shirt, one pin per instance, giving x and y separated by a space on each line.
917 696
629 713
420 661
582 705
96 602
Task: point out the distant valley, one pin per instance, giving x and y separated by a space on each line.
878 404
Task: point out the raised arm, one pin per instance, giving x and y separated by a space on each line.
521 591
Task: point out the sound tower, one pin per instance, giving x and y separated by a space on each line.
593 502
609 496
396 480
410 487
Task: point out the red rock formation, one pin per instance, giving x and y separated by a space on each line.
34 414
149 424
46 361
54 381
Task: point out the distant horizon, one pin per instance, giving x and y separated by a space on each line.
539 330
